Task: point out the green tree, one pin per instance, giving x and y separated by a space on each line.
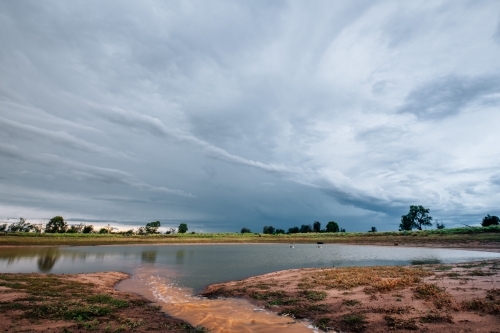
305 228
75 228
332 226
56 225
268 229
373 229
293 230
417 217
152 227
490 220
21 226
317 226
245 231
440 225
183 228
88 229
279 231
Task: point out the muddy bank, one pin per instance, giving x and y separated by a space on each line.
433 298
78 303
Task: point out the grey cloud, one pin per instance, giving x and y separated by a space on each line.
18 130
496 34
221 99
334 183
447 96
88 172
495 179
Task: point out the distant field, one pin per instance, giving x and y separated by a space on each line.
478 236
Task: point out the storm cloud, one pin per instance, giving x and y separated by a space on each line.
226 114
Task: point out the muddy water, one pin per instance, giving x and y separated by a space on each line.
218 315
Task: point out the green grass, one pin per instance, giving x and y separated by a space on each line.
448 236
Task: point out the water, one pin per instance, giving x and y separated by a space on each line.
196 266
171 274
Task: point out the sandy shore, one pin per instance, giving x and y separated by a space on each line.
433 298
78 303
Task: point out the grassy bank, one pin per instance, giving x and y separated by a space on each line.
489 236
429 298
78 303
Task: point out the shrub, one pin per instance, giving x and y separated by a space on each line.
490 220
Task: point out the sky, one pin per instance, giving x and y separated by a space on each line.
232 114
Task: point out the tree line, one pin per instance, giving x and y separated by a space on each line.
331 226
57 225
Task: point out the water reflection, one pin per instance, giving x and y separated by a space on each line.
148 257
179 257
47 260
429 261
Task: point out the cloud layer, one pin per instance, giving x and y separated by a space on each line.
227 115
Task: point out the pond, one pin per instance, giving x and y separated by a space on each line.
196 266
171 275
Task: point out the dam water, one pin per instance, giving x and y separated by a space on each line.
171 275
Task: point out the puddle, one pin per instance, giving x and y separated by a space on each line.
218 315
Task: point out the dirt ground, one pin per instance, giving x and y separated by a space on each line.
432 298
78 303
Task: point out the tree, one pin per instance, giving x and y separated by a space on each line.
268 230
342 230
21 226
440 225
406 223
88 229
332 226
76 228
152 227
293 230
373 229
3 227
56 225
104 230
490 220
305 228
245 231
417 217
317 226
183 228
279 231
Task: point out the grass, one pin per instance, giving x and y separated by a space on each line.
397 323
351 302
355 321
376 279
433 318
490 304
48 298
444 236
432 292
